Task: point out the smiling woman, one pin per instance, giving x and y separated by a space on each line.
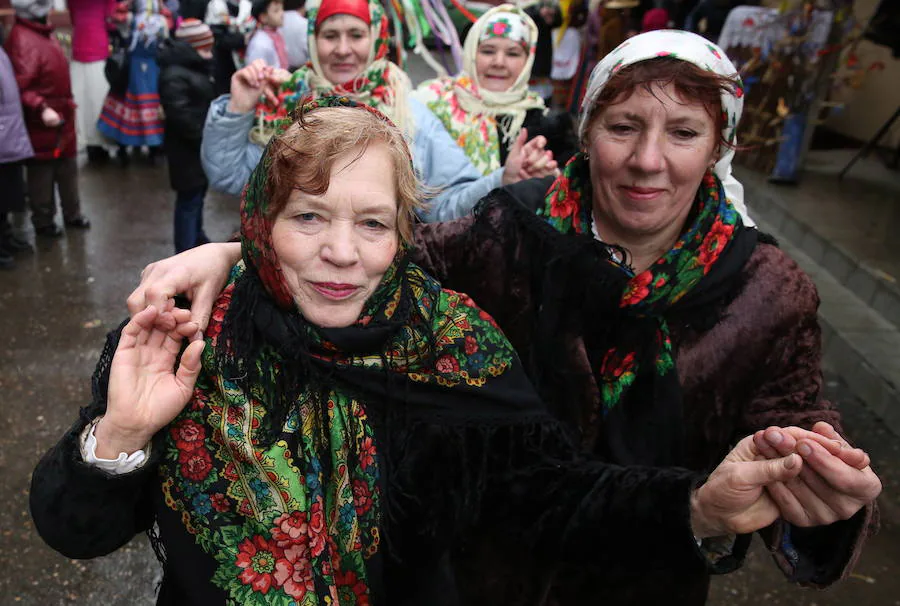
337 220
488 104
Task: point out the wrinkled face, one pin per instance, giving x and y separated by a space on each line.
335 248
343 43
648 155
499 62
274 15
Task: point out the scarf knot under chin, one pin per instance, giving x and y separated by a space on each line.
634 363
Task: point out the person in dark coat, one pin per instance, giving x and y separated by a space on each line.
186 89
547 17
709 15
42 74
231 24
15 148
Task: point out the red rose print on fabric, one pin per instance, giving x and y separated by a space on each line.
293 572
290 529
316 529
714 244
637 289
257 558
447 364
362 497
196 464
351 590
367 453
219 502
188 435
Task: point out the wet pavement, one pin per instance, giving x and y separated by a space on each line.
55 309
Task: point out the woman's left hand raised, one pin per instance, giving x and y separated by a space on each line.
146 391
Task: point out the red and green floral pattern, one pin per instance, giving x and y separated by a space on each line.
295 520
567 208
370 87
476 134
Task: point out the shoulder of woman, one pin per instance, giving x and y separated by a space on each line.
779 281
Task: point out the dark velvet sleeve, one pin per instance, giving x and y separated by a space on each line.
594 513
490 257
791 395
79 510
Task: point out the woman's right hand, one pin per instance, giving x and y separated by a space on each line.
50 117
199 274
146 392
251 82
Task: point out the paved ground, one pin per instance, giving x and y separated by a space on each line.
57 305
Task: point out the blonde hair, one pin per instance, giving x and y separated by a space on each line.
303 156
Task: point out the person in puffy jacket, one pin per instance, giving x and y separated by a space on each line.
15 147
42 74
186 89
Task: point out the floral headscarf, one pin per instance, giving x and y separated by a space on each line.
471 114
382 85
684 46
298 439
640 404
506 24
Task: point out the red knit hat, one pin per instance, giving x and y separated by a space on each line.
354 8
196 33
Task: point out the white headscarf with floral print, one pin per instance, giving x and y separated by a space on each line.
684 46
510 22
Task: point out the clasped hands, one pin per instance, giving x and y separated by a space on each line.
807 478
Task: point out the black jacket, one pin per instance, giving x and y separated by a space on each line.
558 128
543 55
185 89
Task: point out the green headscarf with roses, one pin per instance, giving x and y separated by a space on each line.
303 445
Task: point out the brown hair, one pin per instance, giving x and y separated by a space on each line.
303 156
690 81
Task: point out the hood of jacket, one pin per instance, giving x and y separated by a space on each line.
178 52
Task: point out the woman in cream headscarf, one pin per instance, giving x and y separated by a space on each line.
486 106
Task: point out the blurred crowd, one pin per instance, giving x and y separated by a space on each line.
142 74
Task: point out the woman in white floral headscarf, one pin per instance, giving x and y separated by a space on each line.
485 107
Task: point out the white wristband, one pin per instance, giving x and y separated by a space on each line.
122 464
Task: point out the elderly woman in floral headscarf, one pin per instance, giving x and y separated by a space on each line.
348 50
345 420
487 105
